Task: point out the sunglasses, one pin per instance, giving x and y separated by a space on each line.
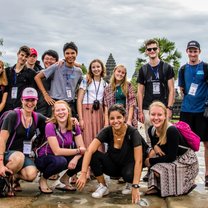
150 49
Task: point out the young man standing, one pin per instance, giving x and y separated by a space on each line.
65 79
194 88
19 77
155 82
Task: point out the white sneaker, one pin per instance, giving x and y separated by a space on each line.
101 191
127 189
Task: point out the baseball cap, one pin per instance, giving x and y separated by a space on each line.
193 44
29 93
33 52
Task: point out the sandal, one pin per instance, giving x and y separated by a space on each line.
54 177
16 185
152 191
45 190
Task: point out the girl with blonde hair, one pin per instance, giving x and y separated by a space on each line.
120 91
62 151
175 168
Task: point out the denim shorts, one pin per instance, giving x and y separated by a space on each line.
28 161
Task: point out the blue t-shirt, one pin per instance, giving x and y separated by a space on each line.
194 103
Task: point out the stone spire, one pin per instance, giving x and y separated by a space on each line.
110 65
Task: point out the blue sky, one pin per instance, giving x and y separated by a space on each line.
101 27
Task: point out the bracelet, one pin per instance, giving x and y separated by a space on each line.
135 186
85 172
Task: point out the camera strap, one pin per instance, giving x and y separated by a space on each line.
96 90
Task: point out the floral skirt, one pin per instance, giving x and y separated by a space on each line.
175 178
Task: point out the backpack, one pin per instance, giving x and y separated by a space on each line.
164 77
18 120
182 72
191 138
164 70
5 186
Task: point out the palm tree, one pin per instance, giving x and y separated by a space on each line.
168 53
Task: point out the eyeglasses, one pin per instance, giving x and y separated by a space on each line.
150 49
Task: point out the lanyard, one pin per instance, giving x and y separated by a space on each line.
194 70
96 90
27 128
155 70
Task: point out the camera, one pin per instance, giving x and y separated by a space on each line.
96 105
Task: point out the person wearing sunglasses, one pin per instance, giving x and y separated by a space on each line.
155 82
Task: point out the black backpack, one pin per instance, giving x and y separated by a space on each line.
164 70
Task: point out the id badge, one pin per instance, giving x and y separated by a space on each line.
27 147
71 76
193 89
68 92
14 92
156 88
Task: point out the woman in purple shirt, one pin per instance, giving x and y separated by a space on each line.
63 150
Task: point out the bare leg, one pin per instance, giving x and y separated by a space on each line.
206 157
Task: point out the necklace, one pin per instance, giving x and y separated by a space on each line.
120 133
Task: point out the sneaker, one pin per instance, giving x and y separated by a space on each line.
127 189
101 191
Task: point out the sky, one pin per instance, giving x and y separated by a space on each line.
101 27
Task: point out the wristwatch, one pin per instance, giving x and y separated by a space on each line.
170 107
135 185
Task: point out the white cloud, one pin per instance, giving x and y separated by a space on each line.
101 27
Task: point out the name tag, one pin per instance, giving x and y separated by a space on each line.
27 147
156 88
193 89
14 92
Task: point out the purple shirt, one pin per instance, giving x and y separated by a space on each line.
65 142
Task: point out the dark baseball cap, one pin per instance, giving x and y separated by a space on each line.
193 44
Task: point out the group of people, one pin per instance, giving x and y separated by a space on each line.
79 115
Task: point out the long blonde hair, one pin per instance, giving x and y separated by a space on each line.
3 77
162 137
53 118
124 83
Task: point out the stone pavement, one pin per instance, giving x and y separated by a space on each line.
31 197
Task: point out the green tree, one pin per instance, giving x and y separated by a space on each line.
1 44
168 53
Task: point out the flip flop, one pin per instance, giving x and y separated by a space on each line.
45 190
54 177
63 187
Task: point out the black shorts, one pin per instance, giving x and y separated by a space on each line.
197 122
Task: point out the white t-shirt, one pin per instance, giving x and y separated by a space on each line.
91 90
